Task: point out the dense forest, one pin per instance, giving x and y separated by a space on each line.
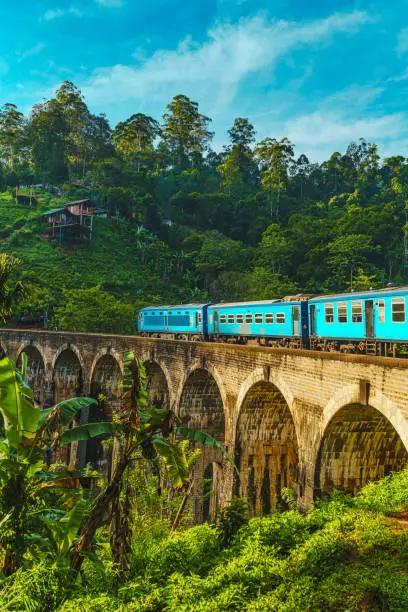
256 220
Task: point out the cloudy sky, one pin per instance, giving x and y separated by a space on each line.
322 72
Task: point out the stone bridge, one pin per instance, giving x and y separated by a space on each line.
307 420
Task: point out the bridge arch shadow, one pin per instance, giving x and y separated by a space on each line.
106 376
266 446
201 407
35 376
157 385
67 373
361 442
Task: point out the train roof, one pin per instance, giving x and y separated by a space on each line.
362 294
173 306
254 303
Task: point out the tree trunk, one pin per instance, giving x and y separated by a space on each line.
97 515
182 506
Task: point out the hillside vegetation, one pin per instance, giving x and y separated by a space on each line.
345 555
253 221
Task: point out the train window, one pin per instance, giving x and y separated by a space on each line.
248 318
240 318
160 313
280 318
356 312
398 310
329 313
170 312
187 312
258 318
342 312
269 317
230 318
381 311
223 319
179 313
140 317
199 318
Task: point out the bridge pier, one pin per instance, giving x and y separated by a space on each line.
305 420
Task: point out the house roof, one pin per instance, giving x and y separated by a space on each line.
52 211
75 202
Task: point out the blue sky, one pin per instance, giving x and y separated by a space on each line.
322 72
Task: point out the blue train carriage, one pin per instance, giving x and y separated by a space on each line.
176 322
270 322
373 322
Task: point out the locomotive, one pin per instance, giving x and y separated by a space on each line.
372 322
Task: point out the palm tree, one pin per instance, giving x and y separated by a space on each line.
10 293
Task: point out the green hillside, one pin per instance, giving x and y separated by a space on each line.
344 556
256 220
111 261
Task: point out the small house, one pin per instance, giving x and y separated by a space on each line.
70 223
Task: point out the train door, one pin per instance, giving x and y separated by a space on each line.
296 320
369 319
312 322
215 321
166 320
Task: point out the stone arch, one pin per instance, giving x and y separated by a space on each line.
102 353
157 385
147 358
106 376
266 448
67 373
35 370
363 439
201 407
211 370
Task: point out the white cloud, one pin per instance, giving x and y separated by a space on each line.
402 41
55 13
110 3
212 72
340 119
32 51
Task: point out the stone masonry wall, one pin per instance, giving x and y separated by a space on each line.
283 414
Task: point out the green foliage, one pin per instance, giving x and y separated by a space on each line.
33 519
231 519
341 556
186 223
93 310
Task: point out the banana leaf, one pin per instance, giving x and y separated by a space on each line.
70 524
21 417
65 411
176 461
196 435
90 430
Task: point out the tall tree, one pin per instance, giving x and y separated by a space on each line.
275 158
12 125
236 168
185 131
46 132
134 138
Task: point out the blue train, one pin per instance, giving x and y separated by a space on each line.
366 322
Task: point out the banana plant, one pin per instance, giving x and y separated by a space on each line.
139 427
27 484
